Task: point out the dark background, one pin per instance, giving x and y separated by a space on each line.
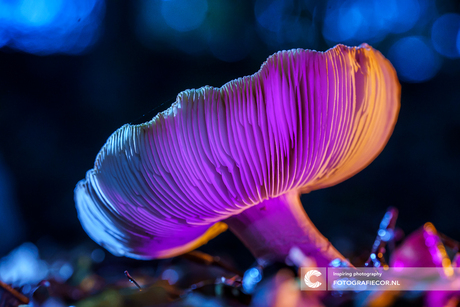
57 110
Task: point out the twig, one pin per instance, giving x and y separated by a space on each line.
131 279
19 296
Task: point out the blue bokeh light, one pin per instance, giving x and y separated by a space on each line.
351 20
213 30
98 255
386 220
444 35
50 26
60 270
355 21
151 27
414 59
282 23
184 15
251 278
38 12
402 15
66 271
153 31
23 266
171 275
335 263
273 14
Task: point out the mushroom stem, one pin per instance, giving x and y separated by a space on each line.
271 228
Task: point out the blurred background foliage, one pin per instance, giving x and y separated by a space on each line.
72 72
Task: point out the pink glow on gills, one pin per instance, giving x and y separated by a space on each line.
307 120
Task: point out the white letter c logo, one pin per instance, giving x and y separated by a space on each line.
308 281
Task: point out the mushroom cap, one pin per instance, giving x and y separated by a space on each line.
306 120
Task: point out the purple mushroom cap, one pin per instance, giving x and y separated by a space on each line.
306 120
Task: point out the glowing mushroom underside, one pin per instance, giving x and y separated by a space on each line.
307 120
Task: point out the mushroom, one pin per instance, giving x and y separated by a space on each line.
241 155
